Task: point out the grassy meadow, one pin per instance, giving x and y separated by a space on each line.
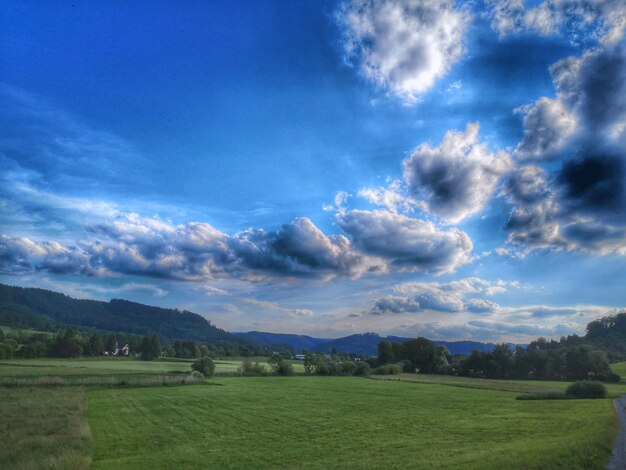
522 386
44 427
343 422
409 420
111 366
620 368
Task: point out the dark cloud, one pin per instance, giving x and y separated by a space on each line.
394 305
14 259
594 182
410 244
458 177
582 204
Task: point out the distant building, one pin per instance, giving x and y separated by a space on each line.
299 357
123 351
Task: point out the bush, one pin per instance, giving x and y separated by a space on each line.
249 368
612 377
362 368
586 389
205 366
388 369
284 368
197 375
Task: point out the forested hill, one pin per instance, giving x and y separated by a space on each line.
43 309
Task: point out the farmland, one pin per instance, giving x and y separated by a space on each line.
115 366
620 368
411 420
320 422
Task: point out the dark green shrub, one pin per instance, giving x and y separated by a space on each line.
250 368
205 366
362 368
612 377
388 369
586 389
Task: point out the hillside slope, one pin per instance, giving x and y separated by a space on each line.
39 308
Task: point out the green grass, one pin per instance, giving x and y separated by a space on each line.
343 422
88 367
620 368
523 386
110 366
22 331
43 428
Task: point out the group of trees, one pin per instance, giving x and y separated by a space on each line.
71 342
565 363
416 355
540 360
320 364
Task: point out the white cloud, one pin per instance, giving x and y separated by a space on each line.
391 198
403 45
604 20
548 127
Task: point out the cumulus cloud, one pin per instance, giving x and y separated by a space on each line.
581 204
394 304
403 45
548 127
458 177
447 297
481 306
603 20
409 243
490 330
274 307
300 248
131 244
392 198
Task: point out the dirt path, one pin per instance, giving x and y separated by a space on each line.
618 459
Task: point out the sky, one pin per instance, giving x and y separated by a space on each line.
453 170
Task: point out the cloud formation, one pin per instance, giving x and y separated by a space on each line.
449 297
410 244
456 178
403 45
132 244
581 205
603 20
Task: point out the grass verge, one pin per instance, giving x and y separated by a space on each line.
44 428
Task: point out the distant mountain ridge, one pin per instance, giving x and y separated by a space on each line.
48 310
363 343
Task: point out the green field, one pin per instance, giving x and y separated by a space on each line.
522 386
620 368
343 422
410 420
115 366
44 428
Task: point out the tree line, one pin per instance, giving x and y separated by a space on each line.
72 342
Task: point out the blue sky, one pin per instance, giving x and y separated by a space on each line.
452 170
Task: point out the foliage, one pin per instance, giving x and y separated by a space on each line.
388 369
586 389
418 354
150 347
279 365
205 366
362 369
252 368
573 363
